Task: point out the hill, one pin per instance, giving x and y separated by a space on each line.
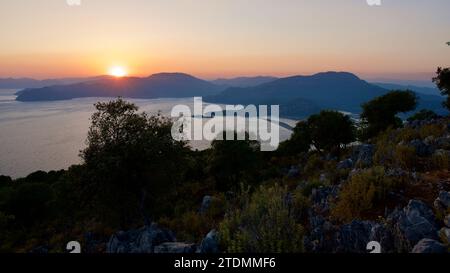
329 90
162 85
244 81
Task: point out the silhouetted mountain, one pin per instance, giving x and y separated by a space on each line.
330 90
163 85
244 81
417 89
17 83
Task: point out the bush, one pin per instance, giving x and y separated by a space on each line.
363 193
329 130
192 226
441 160
442 81
265 224
381 113
423 115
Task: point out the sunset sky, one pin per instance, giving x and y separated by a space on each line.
402 39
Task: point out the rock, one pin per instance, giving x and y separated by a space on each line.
444 234
444 198
363 154
447 220
142 240
412 224
206 203
293 172
429 246
174 248
40 250
396 172
429 140
443 142
345 164
210 244
422 149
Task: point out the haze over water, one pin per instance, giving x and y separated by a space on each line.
49 135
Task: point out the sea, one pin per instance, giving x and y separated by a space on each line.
50 135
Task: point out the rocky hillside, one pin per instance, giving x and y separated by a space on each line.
413 216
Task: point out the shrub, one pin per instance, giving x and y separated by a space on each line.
265 224
434 130
442 81
381 113
423 115
404 157
363 193
440 160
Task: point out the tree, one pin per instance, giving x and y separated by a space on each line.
442 81
329 130
132 160
232 162
381 113
423 115
326 131
299 142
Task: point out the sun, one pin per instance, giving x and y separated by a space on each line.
118 71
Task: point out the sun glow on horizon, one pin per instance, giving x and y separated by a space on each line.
118 71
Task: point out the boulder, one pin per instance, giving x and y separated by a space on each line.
206 204
210 244
141 240
363 154
444 198
444 234
412 224
447 220
422 149
345 164
429 246
174 248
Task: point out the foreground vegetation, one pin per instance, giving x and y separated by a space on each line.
133 173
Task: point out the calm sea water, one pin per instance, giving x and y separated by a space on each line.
49 135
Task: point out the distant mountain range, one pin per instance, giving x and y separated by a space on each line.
418 89
162 85
244 81
19 83
330 90
298 96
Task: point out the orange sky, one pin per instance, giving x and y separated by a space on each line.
223 38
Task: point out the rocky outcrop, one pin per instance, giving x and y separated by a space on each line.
210 244
362 155
412 224
206 204
345 164
422 148
143 240
174 248
428 246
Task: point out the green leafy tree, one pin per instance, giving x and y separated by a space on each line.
423 115
329 130
232 162
299 142
381 113
442 81
132 161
